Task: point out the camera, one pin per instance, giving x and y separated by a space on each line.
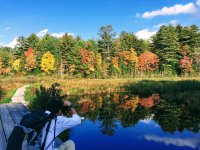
65 110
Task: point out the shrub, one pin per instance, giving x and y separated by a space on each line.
44 95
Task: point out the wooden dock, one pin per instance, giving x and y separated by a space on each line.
10 115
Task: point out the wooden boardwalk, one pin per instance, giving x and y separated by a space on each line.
10 115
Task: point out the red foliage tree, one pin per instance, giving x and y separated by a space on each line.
85 56
186 64
148 61
30 51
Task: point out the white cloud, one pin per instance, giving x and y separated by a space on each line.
198 2
146 121
2 43
42 33
7 28
158 25
173 22
58 35
145 34
12 44
189 8
190 142
72 34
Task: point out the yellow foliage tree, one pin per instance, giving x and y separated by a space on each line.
99 61
115 62
72 68
133 61
17 65
48 63
131 58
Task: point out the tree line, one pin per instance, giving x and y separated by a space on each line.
172 51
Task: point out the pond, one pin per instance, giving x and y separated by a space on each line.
125 121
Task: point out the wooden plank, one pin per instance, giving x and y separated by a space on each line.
2 137
7 121
15 113
22 109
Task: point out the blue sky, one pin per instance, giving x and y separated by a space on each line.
85 17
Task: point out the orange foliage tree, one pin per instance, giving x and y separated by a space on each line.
30 59
186 64
88 59
130 59
148 61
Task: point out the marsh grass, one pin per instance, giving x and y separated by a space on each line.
141 86
6 96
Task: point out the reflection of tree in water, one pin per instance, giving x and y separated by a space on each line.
172 114
129 118
172 117
107 116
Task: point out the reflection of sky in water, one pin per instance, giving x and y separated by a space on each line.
117 124
179 140
146 134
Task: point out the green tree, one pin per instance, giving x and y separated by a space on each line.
49 43
32 41
21 47
129 40
166 46
106 34
66 45
105 43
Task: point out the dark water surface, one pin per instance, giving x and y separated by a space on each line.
123 121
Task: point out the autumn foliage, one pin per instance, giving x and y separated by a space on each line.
148 61
30 59
17 65
131 104
48 63
88 58
186 64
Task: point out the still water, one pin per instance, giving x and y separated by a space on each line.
122 121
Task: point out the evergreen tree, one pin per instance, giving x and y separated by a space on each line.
32 41
105 42
166 46
66 45
21 47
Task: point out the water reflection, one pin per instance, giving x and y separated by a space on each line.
152 115
128 110
193 143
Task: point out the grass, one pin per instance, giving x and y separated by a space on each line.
92 86
7 95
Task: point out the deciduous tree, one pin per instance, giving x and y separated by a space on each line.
30 59
148 62
48 63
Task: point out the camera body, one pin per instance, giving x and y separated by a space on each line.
65 110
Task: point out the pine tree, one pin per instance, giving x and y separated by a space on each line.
66 45
166 46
